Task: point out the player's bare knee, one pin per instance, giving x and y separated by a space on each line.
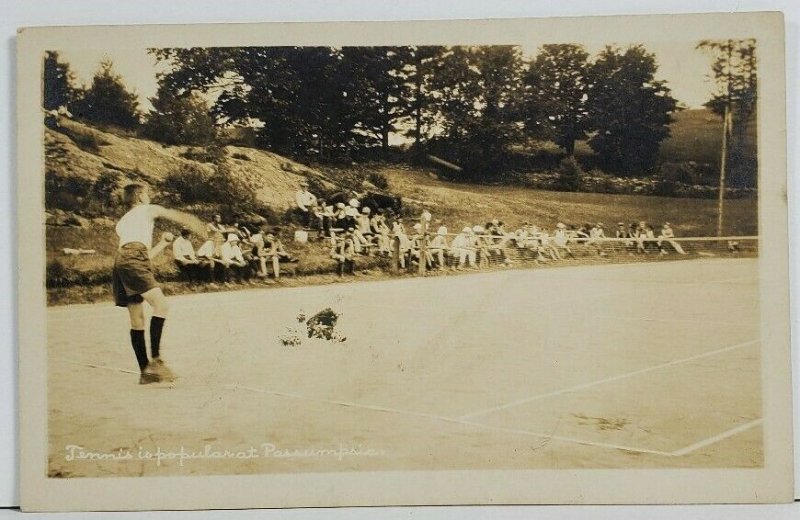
161 307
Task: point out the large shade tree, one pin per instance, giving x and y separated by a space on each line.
556 94
629 110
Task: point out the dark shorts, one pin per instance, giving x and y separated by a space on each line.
132 274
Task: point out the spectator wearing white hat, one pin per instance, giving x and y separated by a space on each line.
667 234
561 240
232 260
463 247
352 212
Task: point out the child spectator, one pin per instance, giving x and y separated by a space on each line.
344 253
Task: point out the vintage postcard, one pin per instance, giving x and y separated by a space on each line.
453 262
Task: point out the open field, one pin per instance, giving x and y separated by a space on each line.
614 366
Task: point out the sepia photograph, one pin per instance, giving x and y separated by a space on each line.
446 249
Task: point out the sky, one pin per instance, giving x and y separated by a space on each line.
683 67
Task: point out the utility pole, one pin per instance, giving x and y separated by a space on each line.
727 123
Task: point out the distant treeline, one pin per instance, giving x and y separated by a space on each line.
475 106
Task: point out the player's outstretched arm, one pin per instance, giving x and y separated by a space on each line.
184 219
166 239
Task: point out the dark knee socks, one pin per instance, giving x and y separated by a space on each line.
156 326
139 348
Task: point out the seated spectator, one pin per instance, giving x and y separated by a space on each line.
363 222
381 232
232 261
340 217
497 241
397 227
481 243
216 233
362 243
275 253
645 238
438 247
324 216
189 265
666 236
583 233
305 202
463 248
623 232
344 253
352 212
547 247
561 240
596 234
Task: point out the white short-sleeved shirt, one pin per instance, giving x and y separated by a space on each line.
182 249
137 225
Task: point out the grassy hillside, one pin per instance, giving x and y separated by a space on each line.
696 136
467 204
86 278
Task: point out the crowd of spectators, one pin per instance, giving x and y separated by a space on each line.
248 254
231 253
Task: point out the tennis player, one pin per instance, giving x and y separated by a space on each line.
133 281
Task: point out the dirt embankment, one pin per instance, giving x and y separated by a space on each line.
79 150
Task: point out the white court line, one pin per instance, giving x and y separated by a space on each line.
546 436
603 381
572 440
442 418
660 320
92 365
715 439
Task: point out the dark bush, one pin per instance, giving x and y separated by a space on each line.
379 180
189 184
569 175
180 120
65 192
231 190
104 190
209 154
241 156
665 187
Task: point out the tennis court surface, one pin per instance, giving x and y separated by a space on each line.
611 366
